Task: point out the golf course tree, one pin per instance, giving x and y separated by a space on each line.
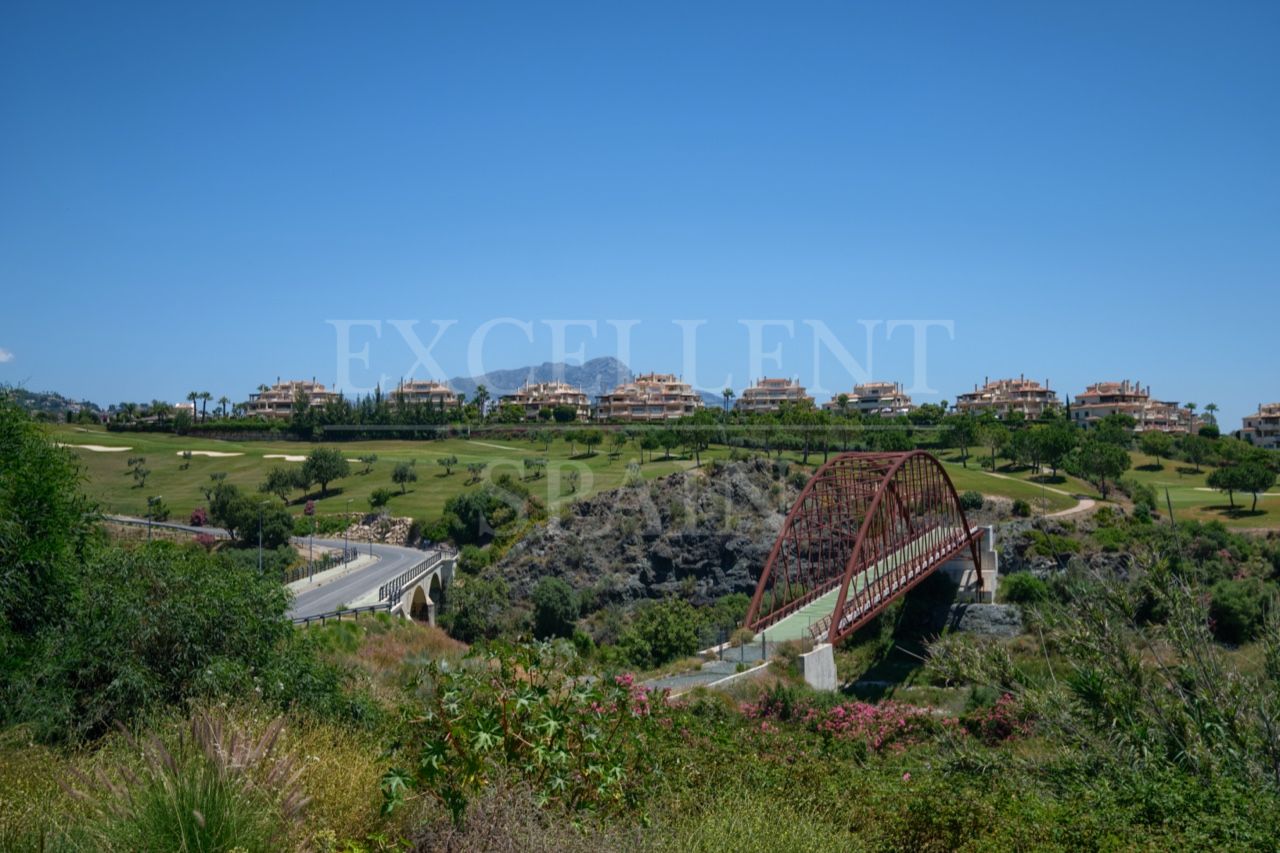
448 463
1251 474
324 465
280 481
961 433
138 470
1116 428
1056 440
1196 449
1156 444
591 439
367 461
242 516
379 498
1100 461
993 436
404 474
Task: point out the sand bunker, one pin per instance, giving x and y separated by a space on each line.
97 448
498 446
285 456
217 453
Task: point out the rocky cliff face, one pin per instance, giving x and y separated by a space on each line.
701 534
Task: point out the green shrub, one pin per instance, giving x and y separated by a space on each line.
1052 544
660 632
1024 588
971 500
1236 609
1021 509
554 609
474 608
155 626
472 559
1111 538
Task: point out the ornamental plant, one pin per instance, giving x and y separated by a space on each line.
581 743
883 726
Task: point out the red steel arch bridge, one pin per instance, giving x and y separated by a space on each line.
866 529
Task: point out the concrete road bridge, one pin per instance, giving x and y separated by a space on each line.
388 578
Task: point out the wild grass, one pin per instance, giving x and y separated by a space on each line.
216 787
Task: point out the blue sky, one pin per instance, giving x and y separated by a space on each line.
1085 191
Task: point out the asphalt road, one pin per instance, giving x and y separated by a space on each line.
392 560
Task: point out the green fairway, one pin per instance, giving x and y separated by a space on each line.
1192 498
1011 486
109 483
108 480
1188 491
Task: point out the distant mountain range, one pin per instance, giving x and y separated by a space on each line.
595 377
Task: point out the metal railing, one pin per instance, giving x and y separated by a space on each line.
322 563
339 615
392 590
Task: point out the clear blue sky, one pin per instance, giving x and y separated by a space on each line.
1086 190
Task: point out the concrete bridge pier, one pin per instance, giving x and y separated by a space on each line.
961 571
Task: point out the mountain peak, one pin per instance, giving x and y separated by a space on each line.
595 377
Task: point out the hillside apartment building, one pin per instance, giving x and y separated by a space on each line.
1002 397
1130 398
886 399
649 397
768 395
533 398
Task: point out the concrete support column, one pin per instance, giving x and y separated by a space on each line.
819 668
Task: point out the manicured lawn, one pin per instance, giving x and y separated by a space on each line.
108 480
1008 486
1193 499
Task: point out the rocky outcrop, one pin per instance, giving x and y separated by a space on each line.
702 534
384 530
991 620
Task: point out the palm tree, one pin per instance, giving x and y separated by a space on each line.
1191 407
205 397
223 402
192 397
481 397
728 395
1210 410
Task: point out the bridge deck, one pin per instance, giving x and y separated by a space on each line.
798 625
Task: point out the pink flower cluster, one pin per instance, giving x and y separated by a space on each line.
887 725
1000 722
